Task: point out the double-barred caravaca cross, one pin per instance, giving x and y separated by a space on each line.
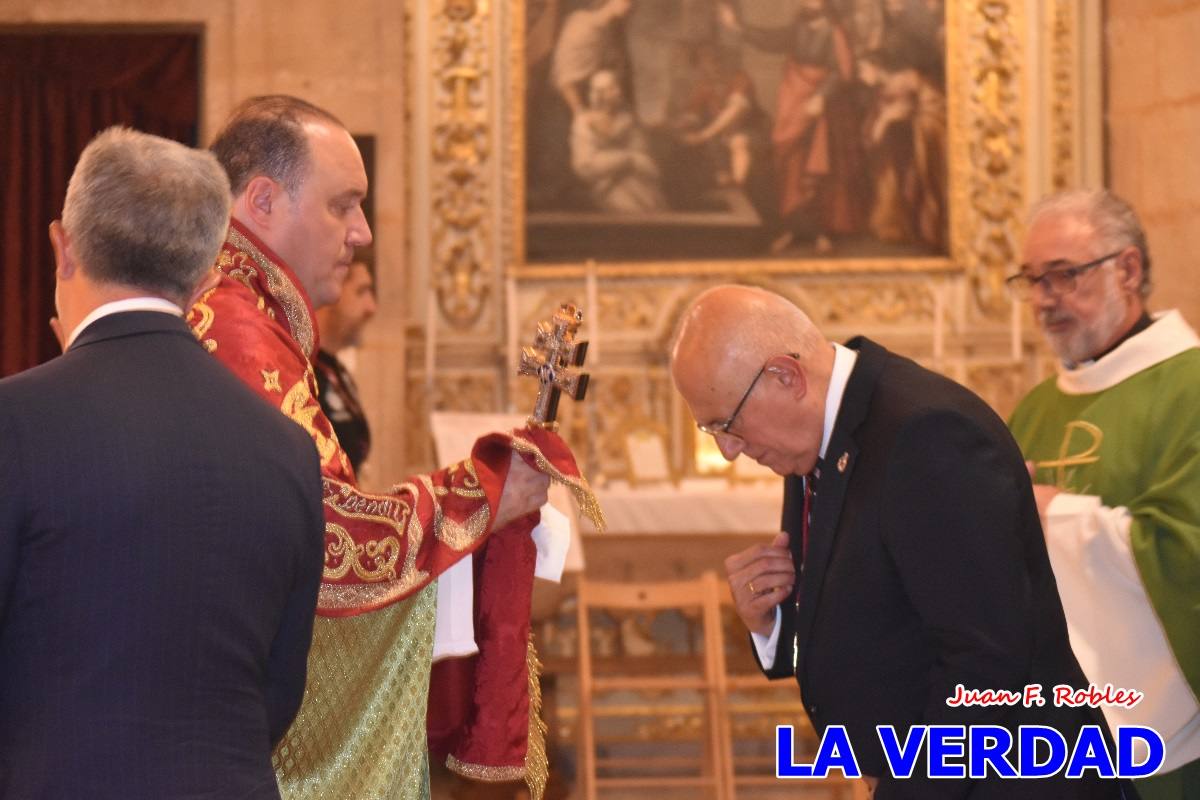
554 359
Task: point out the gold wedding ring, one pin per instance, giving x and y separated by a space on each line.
750 586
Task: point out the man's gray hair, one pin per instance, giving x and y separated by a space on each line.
1113 219
146 212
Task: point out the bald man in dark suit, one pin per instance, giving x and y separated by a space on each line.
912 559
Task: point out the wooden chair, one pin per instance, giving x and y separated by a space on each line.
674 689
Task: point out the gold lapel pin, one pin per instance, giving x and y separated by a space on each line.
843 461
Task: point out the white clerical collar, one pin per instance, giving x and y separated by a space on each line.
119 306
1169 335
843 364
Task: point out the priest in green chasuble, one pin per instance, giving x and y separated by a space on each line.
1113 442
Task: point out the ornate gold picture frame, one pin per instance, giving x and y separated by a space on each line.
1011 72
670 130
982 126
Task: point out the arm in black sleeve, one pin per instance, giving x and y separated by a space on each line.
287 665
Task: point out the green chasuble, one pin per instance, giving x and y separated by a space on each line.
1120 437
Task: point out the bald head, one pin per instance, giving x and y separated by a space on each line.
738 342
731 330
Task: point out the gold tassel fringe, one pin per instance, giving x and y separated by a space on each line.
537 762
588 504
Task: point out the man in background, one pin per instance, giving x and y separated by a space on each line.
160 527
912 562
341 325
1114 447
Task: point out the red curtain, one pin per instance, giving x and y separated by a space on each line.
57 91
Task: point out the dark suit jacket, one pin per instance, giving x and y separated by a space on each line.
161 543
926 568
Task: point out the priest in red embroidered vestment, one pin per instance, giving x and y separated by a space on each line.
298 182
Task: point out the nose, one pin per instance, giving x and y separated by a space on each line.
730 446
359 232
370 306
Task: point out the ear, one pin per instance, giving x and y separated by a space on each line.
1130 269
262 200
790 374
64 254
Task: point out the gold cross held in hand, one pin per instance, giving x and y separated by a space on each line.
554 359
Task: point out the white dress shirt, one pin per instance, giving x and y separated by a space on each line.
119 306
843 363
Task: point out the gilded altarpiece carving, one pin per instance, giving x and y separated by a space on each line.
1010 135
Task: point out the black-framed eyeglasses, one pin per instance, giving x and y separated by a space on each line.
713 428
1054 282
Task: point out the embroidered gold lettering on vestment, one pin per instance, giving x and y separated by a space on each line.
381 555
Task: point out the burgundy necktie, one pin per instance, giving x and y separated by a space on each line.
808 481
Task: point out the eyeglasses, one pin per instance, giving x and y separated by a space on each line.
1054 282
713 428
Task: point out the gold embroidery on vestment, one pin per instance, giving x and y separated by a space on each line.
350 502
202 325
298 404
204 310
588 504
271 380
536 768
483 772
372 561
454 534
537 762
392 511
470 487
461 535
338 596
283 290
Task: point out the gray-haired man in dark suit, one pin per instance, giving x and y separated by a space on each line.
160 526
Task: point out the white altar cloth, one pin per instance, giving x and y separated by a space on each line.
698 505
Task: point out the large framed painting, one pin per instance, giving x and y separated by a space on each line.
869 159
737 130
695 138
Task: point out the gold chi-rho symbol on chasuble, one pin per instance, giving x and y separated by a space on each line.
1086 439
